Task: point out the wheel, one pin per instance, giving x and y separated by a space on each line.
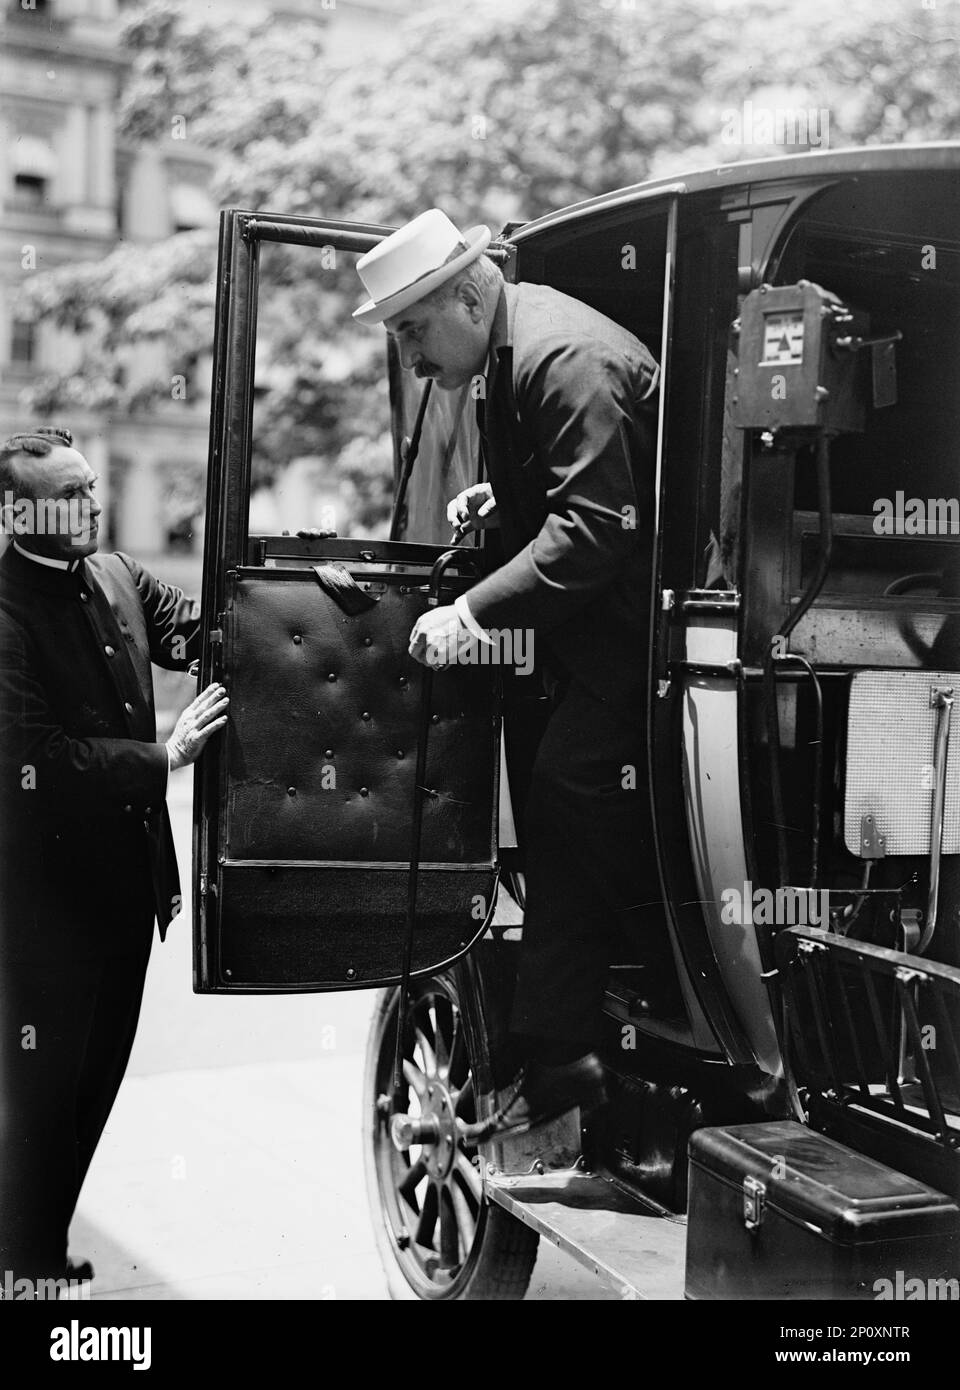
439 1237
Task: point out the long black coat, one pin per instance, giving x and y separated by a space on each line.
85 841
570 434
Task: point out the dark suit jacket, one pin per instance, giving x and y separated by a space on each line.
86 848
569 442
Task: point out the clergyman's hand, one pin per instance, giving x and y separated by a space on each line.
202 718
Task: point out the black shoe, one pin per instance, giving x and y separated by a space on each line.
540 1093
80 1271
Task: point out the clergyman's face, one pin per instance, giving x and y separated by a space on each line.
65 508
446 341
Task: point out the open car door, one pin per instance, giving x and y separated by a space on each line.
353 795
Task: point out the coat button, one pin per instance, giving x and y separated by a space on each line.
128 707
368 641
364 791
297 638
128 809
84 596
148 810
400 753
109 650
291 791
328 752
332 676
365 714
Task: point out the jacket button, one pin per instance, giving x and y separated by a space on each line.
365 714
332 676
368 641
128 707
110 651
128 809
364 791
84 596
328 752
297 638
291 791
148 810
400 753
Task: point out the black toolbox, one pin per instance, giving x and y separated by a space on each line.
778 1211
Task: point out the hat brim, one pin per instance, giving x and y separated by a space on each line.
477 239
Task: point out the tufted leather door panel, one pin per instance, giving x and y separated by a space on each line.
317 783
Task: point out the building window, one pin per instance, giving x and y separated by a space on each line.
23 343
30 190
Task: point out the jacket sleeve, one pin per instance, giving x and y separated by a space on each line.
575 400
78 776
173 620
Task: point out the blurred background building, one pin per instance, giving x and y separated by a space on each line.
70 192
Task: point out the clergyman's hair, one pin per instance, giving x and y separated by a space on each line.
483 272
34 444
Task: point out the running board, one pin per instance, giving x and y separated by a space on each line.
632 1245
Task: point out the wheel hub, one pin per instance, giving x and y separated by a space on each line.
434 1129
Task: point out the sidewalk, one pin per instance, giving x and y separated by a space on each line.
232 1183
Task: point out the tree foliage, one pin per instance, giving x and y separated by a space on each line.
496 111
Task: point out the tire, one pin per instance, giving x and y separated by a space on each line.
438 1235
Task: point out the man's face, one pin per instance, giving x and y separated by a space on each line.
446 341
61 485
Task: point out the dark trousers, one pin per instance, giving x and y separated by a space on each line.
56 1095
586 846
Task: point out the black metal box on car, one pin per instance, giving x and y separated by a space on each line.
777 1211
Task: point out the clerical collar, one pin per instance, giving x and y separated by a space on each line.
46 559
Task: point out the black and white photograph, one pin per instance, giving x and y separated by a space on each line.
479 632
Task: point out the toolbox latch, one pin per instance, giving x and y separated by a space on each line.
754 1196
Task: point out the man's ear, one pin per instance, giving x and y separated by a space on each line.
471 296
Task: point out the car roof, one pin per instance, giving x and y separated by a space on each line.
869 159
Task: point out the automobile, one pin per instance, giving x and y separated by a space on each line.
781 1044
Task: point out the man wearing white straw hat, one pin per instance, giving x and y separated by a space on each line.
567 415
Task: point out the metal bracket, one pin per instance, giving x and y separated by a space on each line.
873 845
754 1199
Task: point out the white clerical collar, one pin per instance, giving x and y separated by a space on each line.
46 559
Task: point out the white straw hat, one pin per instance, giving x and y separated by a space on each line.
414 260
